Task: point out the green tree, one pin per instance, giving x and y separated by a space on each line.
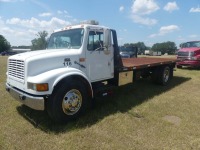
40 42
165 47
4 44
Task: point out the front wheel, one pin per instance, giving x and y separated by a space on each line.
68 101
71 102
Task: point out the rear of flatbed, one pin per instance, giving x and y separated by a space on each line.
145 62
159 69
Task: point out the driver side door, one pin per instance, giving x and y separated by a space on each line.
99 63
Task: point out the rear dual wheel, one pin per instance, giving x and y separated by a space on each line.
165 75
162 75
179 66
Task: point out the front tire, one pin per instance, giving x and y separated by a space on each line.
68 101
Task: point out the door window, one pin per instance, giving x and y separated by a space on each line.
95 41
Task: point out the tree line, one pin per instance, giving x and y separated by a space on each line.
38 43
4 44
41 41
164 47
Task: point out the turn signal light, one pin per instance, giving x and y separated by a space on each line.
42 87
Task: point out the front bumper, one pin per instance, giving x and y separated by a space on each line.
191 63
34 102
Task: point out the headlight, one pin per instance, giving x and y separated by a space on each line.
191 54
194 58
40 87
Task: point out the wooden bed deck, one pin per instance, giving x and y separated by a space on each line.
144 62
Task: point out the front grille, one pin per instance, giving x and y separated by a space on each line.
183 53
16 69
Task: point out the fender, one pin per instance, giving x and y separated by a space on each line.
53 77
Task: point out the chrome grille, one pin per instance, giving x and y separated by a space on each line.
183 53
16 68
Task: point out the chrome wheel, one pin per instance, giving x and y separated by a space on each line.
166 74
72 102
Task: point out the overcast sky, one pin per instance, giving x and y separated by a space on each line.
148 21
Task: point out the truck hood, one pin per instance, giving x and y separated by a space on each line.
37 62
26 55
190 49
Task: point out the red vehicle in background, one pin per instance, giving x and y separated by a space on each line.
189 54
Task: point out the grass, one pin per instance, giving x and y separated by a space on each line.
138 116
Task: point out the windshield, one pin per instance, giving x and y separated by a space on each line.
190 44
67 39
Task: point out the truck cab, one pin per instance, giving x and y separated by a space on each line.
87 43
189 54
81 54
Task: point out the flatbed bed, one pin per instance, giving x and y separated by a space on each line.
144 62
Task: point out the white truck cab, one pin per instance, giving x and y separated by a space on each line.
79 53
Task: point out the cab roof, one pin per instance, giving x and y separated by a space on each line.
85 24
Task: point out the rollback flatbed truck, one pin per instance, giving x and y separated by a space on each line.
65 78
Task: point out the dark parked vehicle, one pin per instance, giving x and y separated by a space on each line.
128 52
5 53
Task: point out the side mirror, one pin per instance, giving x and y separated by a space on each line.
47 43
107 41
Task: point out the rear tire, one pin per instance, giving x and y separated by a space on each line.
179 66
162 75
68 101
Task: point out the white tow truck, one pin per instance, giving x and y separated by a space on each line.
78 62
